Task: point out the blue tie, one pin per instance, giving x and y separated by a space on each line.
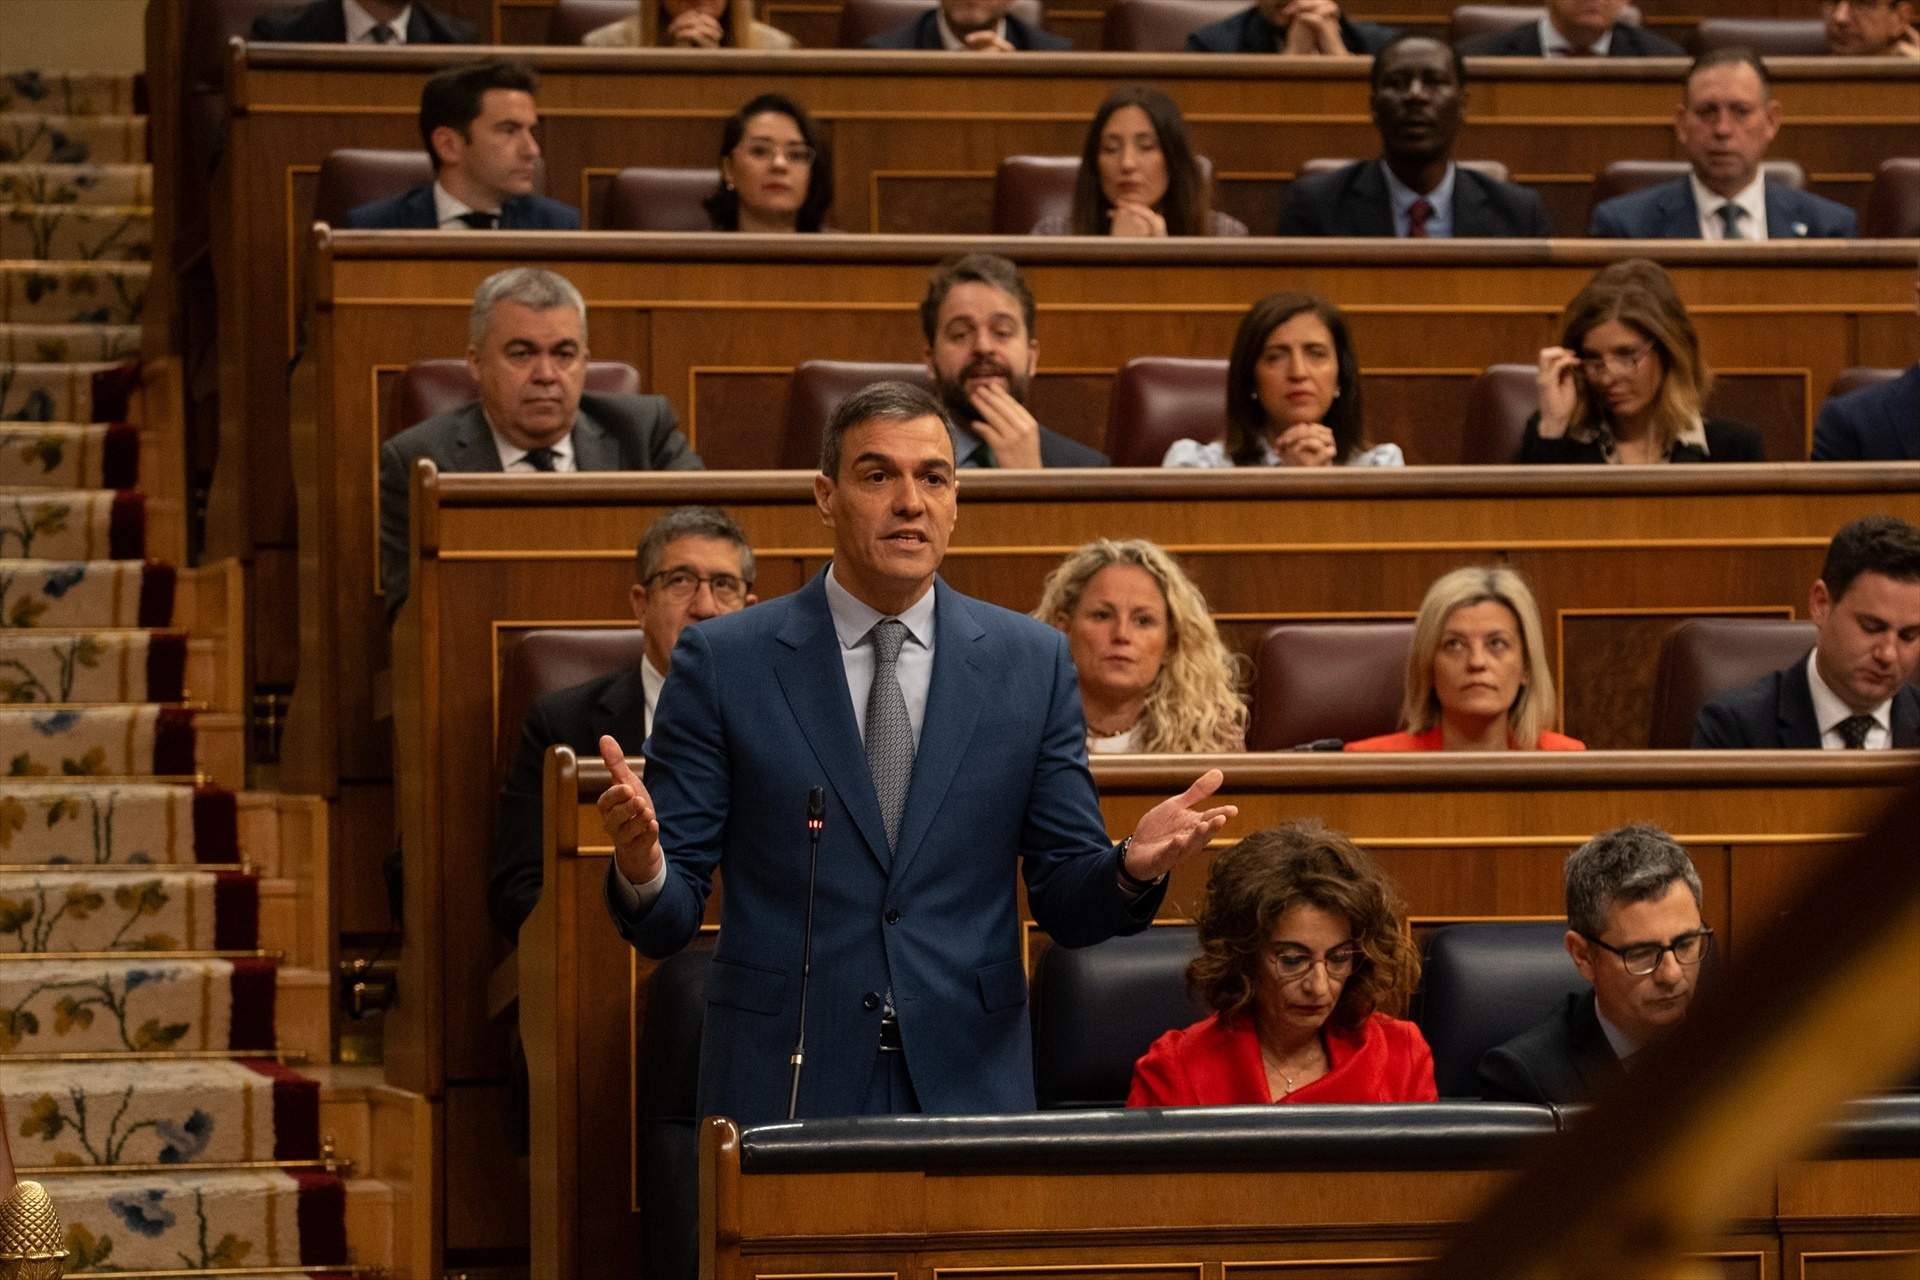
1730 219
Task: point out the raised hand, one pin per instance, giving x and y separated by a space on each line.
1174 828
626 810
1559 380
1130 218
695 29
1007 427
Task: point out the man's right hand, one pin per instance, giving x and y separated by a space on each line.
626 810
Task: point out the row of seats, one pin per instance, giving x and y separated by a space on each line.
1162 26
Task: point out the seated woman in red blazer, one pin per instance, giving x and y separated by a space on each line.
1477 677
1301 947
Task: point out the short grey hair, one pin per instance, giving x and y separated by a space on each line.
1634 863
532 287
881 402
689 522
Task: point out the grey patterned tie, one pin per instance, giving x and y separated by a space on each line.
1730 219
889 732
1853 731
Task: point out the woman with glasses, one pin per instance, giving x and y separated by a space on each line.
1302 954
1477 675
1139 176
775 174
1626 384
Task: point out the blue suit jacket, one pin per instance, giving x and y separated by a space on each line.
1776 712
1879 423
755 712
412 210
1667 212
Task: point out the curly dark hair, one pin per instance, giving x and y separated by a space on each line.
1253 884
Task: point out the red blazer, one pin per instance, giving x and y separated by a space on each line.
1430 741
1216 1063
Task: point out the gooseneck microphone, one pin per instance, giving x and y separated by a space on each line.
816 823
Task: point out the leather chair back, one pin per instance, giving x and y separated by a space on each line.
816 390
1485 168
573 20
666 1093
652 199
1483 984
1470 20
861 19
1859 379
1029 188
1159 399
1623 176
1702 658
1768 37
1097 1009
1339 680
353 176
1893 202
1160 26
435 386
543 662
1498 405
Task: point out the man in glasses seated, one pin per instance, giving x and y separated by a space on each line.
1635 933
693 563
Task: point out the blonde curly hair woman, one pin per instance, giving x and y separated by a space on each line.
1154 675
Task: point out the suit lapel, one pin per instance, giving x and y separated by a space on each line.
813 677
1370 211
1470 208
1799 725
330 24
417 209
1679 218
472 447
624 700
953 709
1784 219
1906 718
594 448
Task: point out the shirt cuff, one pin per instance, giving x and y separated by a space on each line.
638 899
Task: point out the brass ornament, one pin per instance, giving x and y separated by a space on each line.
32 1243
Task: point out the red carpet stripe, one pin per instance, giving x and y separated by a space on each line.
236 911
120 457
296 1110
156 595
173 742
323 1220
127 527
253 1000
166 667
216 826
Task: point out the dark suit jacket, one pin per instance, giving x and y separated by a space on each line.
1727 441
924 33
1878 423
1776 712
756 712
1562 1060
1057 450
413 210
1524 42
1667 212
615 703
325 22
1249 32
1354 202
611 433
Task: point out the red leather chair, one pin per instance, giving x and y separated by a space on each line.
1485 168
1160 26
860 19
573 20
1893 203
1159 399
1470 20
1769 37
353 176
1498 405
649 199
1340 680
541 662
1702 658
1860 378
436 386
1029 188
1623 176
816 390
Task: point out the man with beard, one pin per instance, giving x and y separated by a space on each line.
981 352
1415 189
969 26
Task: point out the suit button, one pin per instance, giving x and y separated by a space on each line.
893 915
871 1000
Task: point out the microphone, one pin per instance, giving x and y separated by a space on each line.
816 823
1320 744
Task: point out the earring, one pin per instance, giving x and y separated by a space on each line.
727 183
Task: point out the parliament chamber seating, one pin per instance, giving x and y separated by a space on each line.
816 389
353 176
665 1092
1702 658
1160 26
1029 188
1482 984
1501 400
1470 20
650 198
1329 164
1625 176
429 387
572 21
1096 1009
1319 681
861 19
1852 380
1893 202
1768 37
1159 399
538 663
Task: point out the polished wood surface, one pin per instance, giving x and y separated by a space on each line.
1464 839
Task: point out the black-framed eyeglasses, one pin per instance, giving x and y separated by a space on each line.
681 585
1643 958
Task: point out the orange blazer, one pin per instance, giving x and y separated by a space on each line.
1430 741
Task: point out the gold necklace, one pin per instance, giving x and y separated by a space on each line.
1272 1059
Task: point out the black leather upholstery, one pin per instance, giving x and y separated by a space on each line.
1097 1009
1482 985
664 1096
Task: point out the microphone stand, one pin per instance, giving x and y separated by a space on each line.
816 822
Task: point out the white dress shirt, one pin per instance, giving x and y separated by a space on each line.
1829 710
1555 45
448 210
360 23
1620 1042
1402 198
513 458
652 681
1753 205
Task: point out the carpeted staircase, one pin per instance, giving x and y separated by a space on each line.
164 934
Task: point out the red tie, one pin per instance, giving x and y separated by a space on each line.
1417 216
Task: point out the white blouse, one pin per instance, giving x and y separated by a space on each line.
1192 453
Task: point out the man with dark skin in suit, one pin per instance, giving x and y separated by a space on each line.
1418 107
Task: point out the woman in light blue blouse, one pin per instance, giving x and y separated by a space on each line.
1293 394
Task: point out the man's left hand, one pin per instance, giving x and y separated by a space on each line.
1009 430
1174 828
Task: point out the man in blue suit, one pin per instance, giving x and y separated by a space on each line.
948 738
1880 424
477 122
1727 120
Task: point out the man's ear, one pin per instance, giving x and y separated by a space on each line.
823 497
448 143
1819 601
637 599
473 363
1582 954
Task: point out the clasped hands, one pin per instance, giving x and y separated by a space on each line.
1313 27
